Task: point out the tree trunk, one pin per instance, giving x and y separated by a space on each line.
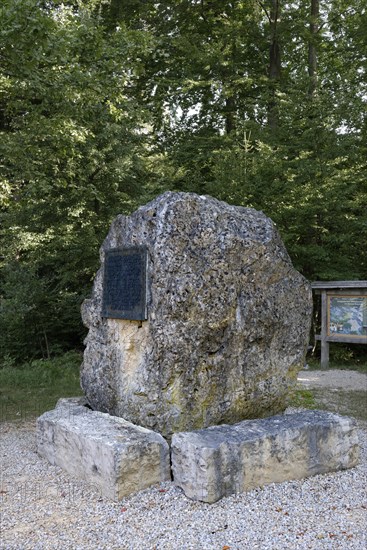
312 49
274 64
230 115
230 102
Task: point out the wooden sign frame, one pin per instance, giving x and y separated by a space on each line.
339 289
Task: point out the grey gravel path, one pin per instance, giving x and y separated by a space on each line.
333 379
43 508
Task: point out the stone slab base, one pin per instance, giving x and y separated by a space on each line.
112 454
215 462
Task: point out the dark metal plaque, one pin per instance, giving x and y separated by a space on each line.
125 284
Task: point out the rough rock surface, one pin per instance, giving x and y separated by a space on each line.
110 453
212 463
228 319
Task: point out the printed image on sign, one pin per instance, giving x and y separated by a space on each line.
347 315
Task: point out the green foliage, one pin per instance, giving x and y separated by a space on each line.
302 398
32 388
70 142
104 104
211 105
344 357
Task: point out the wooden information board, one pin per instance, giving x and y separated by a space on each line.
343 314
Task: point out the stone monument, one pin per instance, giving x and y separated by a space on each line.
197 317
197 322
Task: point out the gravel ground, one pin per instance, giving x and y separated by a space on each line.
43 508
333 379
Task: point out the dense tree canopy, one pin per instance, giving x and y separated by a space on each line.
104 104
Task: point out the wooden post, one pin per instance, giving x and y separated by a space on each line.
324 343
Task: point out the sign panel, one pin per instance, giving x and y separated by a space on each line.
347 316
125 284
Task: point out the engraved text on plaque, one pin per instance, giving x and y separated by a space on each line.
124 284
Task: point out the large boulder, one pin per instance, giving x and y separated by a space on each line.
228 319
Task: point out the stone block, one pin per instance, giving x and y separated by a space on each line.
115 456
215 462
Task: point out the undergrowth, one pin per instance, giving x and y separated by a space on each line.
28 390
302 398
